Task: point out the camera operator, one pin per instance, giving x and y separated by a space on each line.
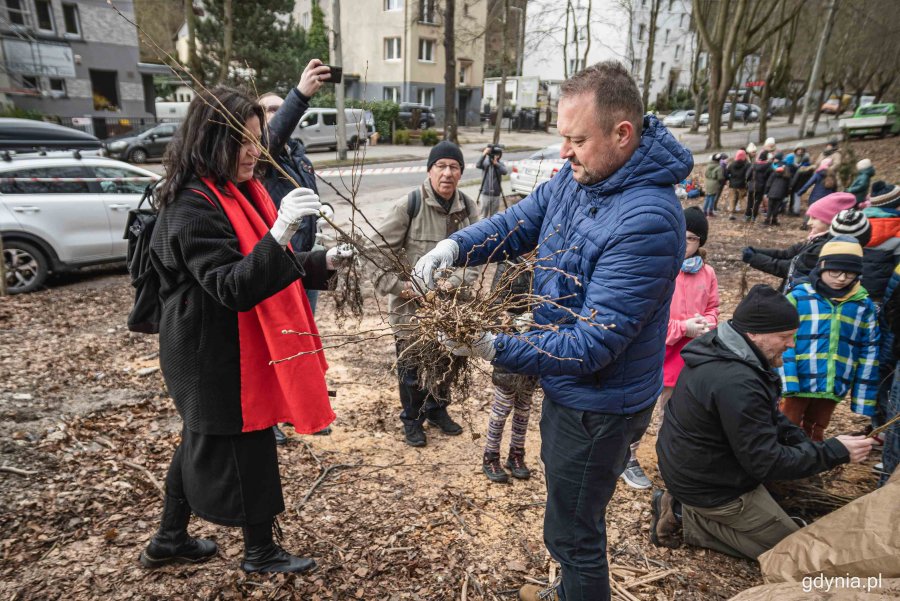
493 167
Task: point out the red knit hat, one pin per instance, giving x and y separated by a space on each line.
827 207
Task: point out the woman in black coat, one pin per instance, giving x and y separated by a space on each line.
229 284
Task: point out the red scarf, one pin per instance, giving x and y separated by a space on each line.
293 391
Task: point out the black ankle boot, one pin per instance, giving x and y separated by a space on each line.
490 465
262 555
171 543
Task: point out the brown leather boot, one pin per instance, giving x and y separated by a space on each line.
534 592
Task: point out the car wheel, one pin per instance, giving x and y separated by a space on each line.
26 267
353 144
138 155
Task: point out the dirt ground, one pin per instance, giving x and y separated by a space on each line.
83 411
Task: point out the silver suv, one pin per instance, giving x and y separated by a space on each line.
63 212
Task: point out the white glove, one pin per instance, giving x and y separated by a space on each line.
297 204
483 347
326 213
441 257
524 322
339 255
695 326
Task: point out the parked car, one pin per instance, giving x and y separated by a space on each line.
416 116
58 225
318 128
139 147
872 119
680 118
32 135
835 105
538 168
752 111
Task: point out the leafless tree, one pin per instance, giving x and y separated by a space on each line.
450 124
651 45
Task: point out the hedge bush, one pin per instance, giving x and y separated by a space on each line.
430 137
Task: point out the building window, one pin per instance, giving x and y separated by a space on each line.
304 20
57 87
105 90
393 4
426 96
662 69
666 40
44 14
641 29
15 12
677 52
30 82
70 16
575 65
465 69
426 11
426 50
637 67
392 93
391 49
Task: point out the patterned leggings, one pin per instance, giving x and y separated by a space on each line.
512 393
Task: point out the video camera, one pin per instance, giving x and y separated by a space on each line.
495 150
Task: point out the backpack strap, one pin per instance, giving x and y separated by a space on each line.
413 206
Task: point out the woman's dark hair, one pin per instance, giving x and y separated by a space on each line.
208 143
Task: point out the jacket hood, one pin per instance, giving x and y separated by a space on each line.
659 160
722 344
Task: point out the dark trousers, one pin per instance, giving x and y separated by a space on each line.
418 404
583 453
775 207
754 202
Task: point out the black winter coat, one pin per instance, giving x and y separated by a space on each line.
790 264
205 282
738 173
723 434
778 186
760 175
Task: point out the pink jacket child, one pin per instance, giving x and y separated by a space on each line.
694 311
695 304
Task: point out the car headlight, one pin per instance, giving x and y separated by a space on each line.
120 145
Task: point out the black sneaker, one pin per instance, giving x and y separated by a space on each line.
280 437
665 528
492 469
415 435
515 463
443 421
326 431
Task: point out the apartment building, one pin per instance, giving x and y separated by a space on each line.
77 62
555 46
393 50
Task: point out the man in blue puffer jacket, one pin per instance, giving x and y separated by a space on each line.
610 221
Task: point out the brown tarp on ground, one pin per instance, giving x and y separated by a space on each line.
860 539
800 591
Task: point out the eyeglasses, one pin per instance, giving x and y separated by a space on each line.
847 275
453 167
693 238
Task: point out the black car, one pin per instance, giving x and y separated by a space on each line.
137 148
416 116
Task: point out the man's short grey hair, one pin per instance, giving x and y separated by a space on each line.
614 90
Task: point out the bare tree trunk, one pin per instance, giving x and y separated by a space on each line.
587 47
817 67
337 59
565 47
450 121
193 61
651 46
227 42
501 93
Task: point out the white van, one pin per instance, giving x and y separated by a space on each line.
318 128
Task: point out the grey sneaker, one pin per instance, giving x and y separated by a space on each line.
635 477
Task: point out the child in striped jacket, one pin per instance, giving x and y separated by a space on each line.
836 348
